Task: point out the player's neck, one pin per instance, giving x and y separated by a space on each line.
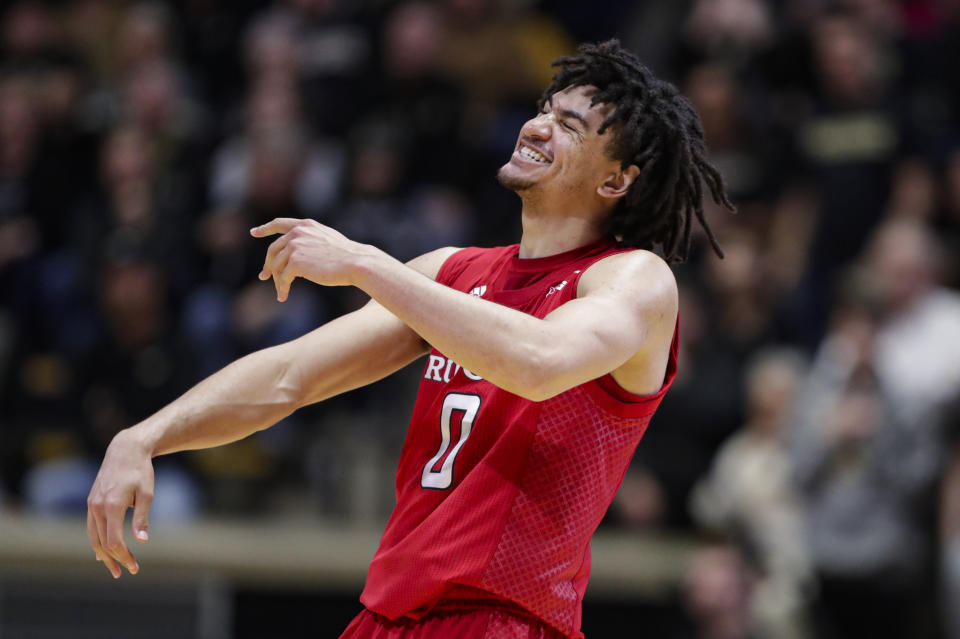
549 234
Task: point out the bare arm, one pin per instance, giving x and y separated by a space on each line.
624 314
249 395
262 388
621 322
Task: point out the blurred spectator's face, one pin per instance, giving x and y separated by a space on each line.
770 390
17 126
900 262
914 190
558 152
143 35
222 231
376 170
411 38
15 108
274 171
273 105
125 157
27 28
847 59
152 95
640 501
59 91
133 204
133 300
272 48
713 92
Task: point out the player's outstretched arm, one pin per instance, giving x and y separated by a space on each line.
250 394
622 320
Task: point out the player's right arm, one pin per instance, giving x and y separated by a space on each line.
249 395
260 389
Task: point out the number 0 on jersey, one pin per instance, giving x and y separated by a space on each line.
466 406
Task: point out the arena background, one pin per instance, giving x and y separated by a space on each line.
802 478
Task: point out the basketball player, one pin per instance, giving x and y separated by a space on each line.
546 360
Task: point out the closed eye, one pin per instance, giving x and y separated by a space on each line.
565 113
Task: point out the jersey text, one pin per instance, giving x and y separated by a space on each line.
441 369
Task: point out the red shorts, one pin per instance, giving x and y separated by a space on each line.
482 623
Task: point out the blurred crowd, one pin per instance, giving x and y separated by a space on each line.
813 433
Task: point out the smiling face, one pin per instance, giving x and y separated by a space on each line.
559 152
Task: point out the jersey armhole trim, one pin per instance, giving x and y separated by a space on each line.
615 399
596 391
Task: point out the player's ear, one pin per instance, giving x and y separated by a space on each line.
618 183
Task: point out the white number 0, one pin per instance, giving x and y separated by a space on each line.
443 477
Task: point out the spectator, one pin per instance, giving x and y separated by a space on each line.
863 472
749 491
919 320
848 144
738 147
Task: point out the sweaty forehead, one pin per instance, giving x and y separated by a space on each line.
577 98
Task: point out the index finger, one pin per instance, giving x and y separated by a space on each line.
115 546
274 226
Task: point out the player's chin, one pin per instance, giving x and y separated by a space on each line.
512 180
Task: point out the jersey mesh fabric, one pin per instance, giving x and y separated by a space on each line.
530 482
576 463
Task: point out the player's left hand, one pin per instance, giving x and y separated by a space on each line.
309 250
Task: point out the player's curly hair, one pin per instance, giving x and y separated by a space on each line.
656 129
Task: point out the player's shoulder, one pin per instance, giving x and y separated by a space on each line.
639 280
634 270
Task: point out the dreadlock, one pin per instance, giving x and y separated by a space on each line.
656 129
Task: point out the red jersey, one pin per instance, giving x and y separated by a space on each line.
497 495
